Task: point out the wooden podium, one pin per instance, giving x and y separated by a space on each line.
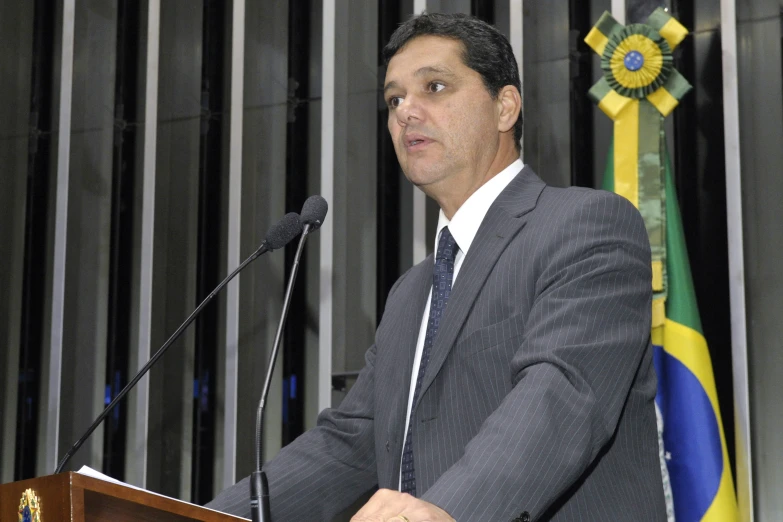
71 497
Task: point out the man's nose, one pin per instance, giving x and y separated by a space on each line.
408 110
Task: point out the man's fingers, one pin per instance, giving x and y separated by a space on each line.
379 517
382 506
392 506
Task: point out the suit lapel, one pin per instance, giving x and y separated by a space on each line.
416 288
420 281
504 220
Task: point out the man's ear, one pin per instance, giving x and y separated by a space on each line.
509 104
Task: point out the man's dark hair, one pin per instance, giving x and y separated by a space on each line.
486 50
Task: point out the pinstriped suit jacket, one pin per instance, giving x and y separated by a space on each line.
538 396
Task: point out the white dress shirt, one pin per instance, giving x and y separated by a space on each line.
463 226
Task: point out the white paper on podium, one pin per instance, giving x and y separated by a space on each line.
88 471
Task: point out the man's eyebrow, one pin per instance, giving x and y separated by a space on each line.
390 85
433 69
423 71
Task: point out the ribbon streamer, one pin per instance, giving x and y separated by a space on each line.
638 89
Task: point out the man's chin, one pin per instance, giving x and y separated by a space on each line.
422 182
422 177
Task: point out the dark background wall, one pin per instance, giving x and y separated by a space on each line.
202 397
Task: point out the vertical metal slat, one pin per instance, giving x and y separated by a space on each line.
136 459
419 198
618 10
50 427
327 191
516 38
739 347
227 475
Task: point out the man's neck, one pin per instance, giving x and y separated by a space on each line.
451 201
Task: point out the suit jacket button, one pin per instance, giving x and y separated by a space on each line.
523 517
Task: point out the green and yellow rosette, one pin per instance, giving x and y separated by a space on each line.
638 89
30 507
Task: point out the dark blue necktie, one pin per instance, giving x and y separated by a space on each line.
442 277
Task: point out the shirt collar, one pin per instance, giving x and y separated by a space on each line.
467 220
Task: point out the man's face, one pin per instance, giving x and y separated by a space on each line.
442 119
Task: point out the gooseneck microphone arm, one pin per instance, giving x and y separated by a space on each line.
313 214
279 234
259 496
261 250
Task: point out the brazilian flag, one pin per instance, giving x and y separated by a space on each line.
695 447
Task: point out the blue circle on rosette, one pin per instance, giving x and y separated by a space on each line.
27 516
633 61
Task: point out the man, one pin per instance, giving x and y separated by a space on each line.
511 378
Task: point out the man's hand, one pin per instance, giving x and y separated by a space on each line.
389 505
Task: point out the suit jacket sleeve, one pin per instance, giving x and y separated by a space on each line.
325 469
587 330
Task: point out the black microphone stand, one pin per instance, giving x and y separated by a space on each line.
259 486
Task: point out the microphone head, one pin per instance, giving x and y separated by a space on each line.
314 212
283 231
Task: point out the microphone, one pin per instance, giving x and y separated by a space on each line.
278 235
313 213
312 217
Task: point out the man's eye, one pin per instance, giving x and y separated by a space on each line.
435 87
394 102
